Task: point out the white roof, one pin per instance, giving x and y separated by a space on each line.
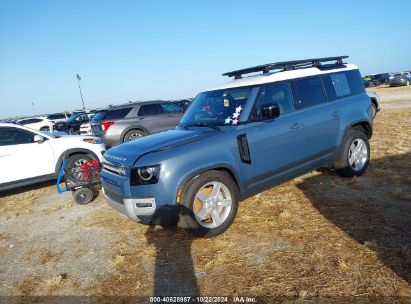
283 75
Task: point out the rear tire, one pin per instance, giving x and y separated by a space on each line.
209 204
133 134
83 196
355 154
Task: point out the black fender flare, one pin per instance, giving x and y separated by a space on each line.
66 154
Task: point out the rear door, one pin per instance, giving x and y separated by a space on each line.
321 119
21 158
174 113
154 119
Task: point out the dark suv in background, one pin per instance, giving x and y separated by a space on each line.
134 120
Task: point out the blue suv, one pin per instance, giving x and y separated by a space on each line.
243 138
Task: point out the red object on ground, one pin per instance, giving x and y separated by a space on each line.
90 170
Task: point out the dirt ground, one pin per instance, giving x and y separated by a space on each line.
318 238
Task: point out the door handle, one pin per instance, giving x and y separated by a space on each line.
297 125
335 114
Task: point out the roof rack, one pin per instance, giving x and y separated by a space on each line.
287 66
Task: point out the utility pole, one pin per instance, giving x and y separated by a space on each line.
78 80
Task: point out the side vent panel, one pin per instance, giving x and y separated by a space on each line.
243 148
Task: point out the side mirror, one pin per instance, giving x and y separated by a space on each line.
270 111
38 139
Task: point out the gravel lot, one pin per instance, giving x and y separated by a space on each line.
317 236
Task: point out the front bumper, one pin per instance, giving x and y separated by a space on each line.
140 210
146 204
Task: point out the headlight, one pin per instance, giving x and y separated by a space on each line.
94 141
145 175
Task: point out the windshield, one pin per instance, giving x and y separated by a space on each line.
221 107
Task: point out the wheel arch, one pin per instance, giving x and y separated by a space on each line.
70 152
365 127
222 168
133 127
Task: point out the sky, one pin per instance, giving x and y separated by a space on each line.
129 50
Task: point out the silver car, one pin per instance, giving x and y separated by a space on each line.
119 124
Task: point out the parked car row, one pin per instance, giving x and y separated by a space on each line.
392 79
400 79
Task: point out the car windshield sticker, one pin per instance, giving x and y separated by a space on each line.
226 102
234 118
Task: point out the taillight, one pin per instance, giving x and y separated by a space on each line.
107 124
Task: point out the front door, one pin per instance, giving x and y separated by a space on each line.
277 146
21 158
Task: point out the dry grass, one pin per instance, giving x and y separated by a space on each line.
283 243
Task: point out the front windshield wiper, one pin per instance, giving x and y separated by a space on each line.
200 124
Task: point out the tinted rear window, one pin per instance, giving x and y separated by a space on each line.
355 82
56 116
30 121
149 109
100 116
117 113
336 86
310 91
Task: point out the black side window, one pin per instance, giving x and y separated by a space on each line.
117 114
56 116
14 136
149 109
30 121
355 82
336 86
280 94
310 91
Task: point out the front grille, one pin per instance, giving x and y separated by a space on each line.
109 167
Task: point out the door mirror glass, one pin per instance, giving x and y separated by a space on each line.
270 111
38 139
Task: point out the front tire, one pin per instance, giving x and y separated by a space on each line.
355 154
209 204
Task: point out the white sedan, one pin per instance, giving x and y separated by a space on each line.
28 156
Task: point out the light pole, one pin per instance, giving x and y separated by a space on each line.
78 80
33 108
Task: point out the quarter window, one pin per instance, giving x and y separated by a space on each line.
310 91
117 114
336 86
355 82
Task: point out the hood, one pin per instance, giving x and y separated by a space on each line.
128 153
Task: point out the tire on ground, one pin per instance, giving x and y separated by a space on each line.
83 196
188 219
342 165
